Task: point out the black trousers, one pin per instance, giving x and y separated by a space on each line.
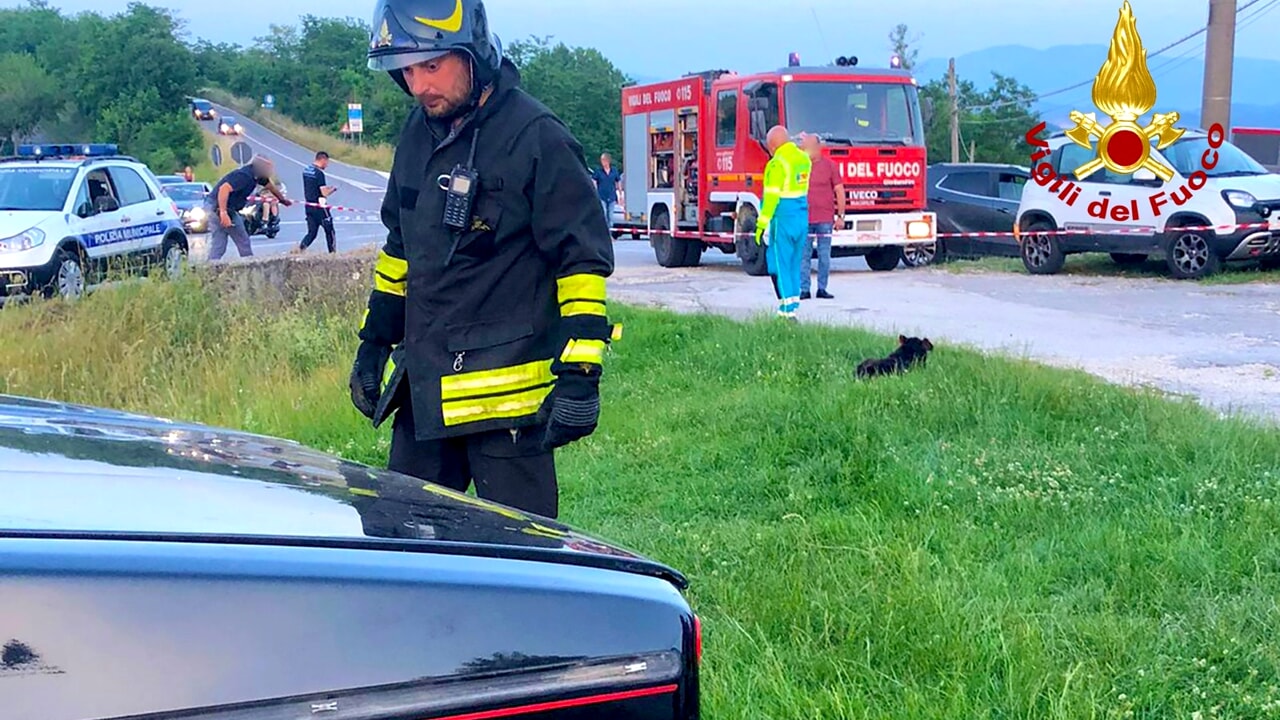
319 218
508 467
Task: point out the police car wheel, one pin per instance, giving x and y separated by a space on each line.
174 259
68 275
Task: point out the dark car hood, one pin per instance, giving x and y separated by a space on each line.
69 469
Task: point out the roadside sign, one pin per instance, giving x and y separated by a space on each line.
269 101
355 117
215 155
241 152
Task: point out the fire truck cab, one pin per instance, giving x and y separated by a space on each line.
694 158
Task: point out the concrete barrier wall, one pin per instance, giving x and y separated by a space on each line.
277 280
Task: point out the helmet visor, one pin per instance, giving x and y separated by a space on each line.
400 60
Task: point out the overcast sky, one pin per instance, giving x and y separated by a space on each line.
671 37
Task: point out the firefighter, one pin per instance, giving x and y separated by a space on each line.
486 326
784 215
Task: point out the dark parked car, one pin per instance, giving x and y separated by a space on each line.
973 198
189 197
174 570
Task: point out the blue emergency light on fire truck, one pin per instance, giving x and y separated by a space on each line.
693 158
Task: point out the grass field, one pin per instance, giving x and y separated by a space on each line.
982 538
1102 266
377 157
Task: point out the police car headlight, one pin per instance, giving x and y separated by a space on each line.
22 241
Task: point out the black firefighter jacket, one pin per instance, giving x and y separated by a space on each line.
523 293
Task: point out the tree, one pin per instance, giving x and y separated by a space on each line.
901 46
580 85
993 121
28 96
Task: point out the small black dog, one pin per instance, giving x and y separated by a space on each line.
911 350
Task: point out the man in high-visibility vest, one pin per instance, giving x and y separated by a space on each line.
784 216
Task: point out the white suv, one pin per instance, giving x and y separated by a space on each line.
69 211
1236 191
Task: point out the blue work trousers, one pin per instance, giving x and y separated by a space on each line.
787 233
822 233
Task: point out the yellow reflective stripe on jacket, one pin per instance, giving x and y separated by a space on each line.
583 351
492 394
581 294
494 408
389 274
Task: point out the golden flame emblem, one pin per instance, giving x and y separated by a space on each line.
384 36
1124 90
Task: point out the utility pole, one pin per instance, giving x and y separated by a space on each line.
955 111
1219 52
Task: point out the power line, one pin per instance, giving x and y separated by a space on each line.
1181 58
1175 43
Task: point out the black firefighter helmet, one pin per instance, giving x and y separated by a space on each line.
406 32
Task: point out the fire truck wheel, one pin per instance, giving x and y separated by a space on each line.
672 251
752 255
884 259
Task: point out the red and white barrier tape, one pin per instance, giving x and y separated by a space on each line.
734 236
1082 231
256 198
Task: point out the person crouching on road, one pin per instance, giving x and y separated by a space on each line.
486 327
314 192
229 197
784 217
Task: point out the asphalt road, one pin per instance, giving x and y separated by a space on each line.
1219 344
359 195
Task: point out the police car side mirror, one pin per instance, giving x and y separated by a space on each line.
84 210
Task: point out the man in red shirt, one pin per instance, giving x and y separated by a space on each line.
826 208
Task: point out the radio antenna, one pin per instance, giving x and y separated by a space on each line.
826 49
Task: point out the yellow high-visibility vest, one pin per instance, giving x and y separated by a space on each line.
786 176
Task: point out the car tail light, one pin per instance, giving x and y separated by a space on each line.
697 639
176 211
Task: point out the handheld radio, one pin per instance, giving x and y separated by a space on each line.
459 195
461 191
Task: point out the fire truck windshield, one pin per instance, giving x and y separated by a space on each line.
854 113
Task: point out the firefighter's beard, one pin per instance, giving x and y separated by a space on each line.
448 104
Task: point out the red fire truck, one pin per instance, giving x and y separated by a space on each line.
694 157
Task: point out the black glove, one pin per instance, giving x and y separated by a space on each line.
366 376
572 409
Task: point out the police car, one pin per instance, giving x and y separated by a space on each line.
68 211
1219 206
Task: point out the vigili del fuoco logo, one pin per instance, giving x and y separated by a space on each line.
1124 90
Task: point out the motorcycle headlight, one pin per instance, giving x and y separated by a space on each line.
24 240
196 213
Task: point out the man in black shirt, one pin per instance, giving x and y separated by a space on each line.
229 197
314 191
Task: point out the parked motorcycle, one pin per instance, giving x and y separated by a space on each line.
255 217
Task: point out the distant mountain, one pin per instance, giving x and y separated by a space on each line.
1179 80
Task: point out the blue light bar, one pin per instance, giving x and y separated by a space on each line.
61 150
